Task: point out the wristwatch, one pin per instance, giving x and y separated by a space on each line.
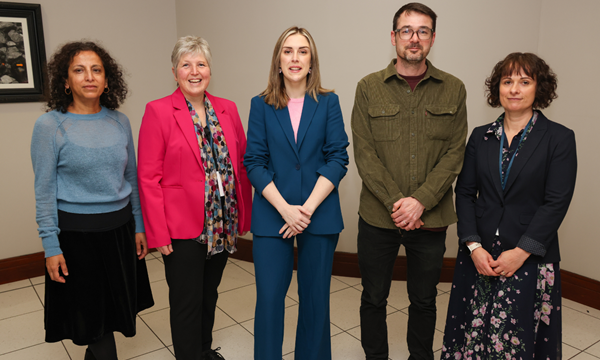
473 246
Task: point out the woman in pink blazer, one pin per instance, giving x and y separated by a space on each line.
195 194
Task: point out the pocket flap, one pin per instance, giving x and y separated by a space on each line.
441 109
376 111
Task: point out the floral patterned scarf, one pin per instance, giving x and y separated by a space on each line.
221 219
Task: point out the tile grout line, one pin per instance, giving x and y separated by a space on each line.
155 334
26 347
584 350
579 311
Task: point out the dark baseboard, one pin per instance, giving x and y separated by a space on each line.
22 267
575 287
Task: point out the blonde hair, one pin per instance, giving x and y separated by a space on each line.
275 93
191 45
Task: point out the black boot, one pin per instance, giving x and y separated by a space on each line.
212 355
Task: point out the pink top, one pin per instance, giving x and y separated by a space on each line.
295 108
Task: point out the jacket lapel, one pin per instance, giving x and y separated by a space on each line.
228 130
531 143
283 115
308 112
493 149
184 120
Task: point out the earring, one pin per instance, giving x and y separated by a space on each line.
309 70
106 90
280 70
68 93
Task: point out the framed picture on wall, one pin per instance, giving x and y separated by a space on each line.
22 53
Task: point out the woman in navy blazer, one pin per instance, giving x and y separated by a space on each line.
295 158
514 190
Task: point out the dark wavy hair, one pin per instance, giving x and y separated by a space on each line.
58 72
418 8
534 67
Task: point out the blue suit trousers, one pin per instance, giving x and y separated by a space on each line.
273 263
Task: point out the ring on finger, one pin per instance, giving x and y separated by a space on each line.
503 273
404 223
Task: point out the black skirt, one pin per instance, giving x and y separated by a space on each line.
107 286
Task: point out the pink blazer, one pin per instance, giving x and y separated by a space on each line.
170 171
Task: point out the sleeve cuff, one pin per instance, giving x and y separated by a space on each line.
389 203
429 201
332 174
51 246
260 179
531 246
473 238
139 224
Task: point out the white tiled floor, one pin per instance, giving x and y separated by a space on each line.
22 315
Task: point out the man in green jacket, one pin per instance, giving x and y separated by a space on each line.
409 126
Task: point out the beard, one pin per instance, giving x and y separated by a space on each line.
410 57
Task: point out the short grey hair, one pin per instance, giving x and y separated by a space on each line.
191 45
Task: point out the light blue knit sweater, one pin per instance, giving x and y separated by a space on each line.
83 164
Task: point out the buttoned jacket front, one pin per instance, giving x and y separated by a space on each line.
294 167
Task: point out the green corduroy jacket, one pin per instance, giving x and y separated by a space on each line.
409 143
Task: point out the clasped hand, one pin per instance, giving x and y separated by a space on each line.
296 219
407 212
507 264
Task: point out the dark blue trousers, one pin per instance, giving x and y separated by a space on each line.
273 264
377 252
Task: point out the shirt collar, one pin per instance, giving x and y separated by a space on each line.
431 71
496 127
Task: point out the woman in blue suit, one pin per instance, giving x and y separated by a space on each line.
295 158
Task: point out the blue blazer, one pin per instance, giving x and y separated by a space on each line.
272 154
537 195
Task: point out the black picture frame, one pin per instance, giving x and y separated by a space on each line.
22 53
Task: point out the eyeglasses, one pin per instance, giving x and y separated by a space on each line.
406 33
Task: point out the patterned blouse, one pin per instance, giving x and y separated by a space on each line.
516 144
221 217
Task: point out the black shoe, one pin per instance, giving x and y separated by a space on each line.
212 355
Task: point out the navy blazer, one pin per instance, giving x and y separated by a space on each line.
272 154
536 197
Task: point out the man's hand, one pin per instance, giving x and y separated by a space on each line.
407 212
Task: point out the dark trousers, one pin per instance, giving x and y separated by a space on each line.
193 281
377 252
273 264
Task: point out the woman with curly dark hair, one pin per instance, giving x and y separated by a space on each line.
87 203
513 192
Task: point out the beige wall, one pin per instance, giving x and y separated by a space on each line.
140 38
353 41
567 43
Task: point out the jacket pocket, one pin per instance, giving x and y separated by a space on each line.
439 120
385 122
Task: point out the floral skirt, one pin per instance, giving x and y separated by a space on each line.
517 317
